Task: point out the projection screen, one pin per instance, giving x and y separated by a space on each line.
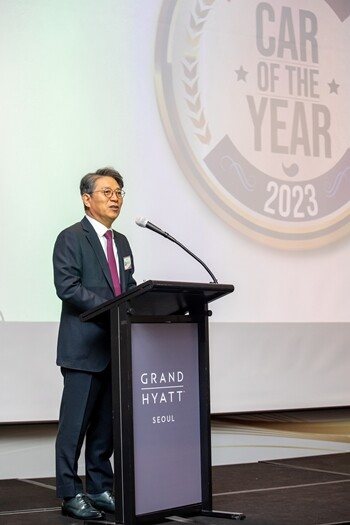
230 122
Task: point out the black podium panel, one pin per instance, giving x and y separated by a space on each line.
161 399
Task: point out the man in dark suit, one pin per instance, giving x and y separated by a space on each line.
84 278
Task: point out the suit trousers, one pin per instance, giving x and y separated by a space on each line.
86 412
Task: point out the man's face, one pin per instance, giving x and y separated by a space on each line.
101 208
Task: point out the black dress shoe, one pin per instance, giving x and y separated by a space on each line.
104 501
80 508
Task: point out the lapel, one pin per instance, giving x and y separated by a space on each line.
94 241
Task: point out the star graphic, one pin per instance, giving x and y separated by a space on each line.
333 87
241 73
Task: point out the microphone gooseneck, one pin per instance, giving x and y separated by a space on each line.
144 223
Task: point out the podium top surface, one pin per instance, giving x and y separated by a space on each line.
163 298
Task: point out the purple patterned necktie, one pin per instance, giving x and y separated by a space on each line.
112 263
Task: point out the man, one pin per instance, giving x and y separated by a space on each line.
85 276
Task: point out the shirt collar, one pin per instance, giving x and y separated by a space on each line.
99 228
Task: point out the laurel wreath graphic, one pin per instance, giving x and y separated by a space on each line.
197 21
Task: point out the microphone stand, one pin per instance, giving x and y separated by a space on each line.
192 255
144 223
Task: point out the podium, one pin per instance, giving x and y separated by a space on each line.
161 400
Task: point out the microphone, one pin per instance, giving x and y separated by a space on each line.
144 223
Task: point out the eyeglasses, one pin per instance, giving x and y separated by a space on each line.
108 193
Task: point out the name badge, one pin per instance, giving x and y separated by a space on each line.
127 263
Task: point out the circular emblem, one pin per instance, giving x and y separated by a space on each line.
254 98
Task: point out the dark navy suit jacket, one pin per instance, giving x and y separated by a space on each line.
83 281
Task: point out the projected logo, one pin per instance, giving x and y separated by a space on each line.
254 98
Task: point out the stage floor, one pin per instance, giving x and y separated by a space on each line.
308 491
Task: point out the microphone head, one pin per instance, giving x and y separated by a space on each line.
141 221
